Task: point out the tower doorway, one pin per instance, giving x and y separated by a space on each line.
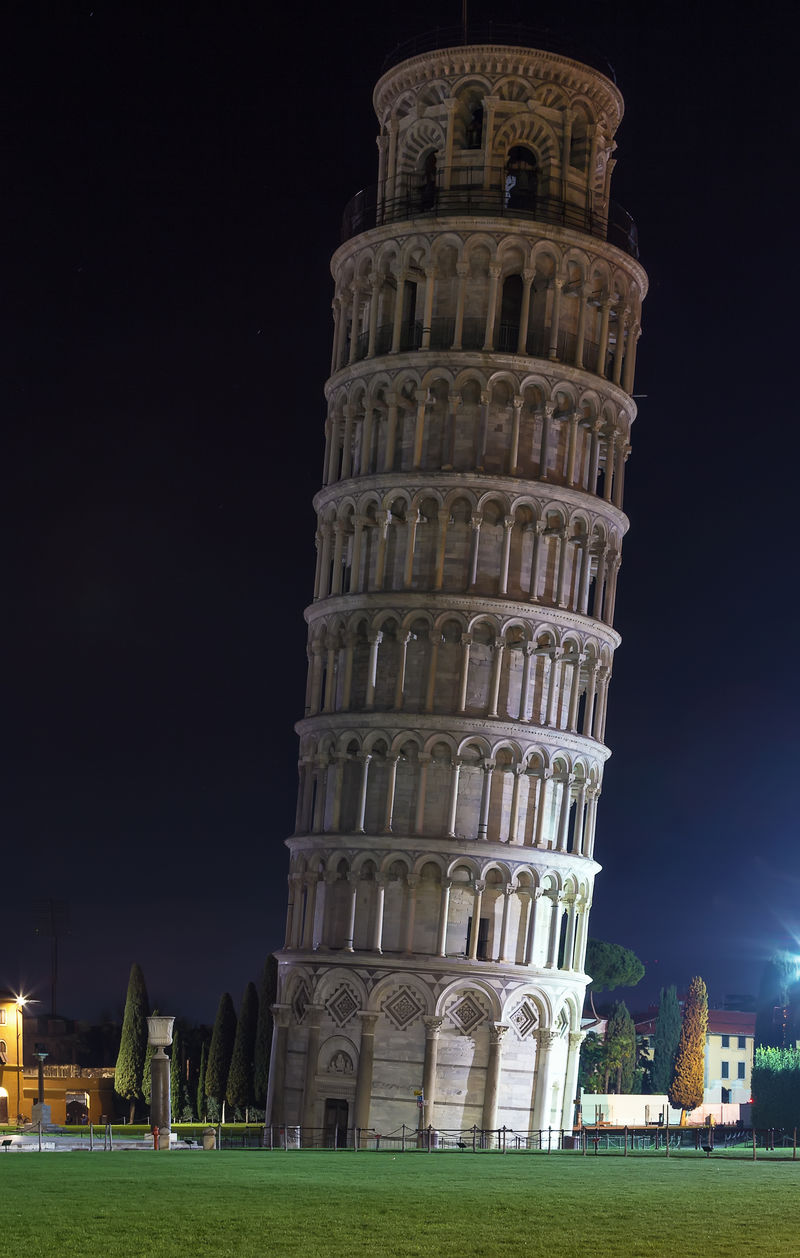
336 1117
521 179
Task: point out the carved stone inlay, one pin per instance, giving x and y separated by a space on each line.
467 1014
301 1001
342 1004
403 1008
341 1063
525 1019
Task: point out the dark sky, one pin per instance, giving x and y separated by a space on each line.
173 191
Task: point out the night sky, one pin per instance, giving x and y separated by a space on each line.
173 191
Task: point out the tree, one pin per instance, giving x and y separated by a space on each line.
610 966
686 1090
776 1087
240 1089
201 1084
620 1059
267 995
177 1099
665 1040
777 994
221 1051
147 1076
592 1068
133 1044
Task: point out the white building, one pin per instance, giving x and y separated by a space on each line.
486 313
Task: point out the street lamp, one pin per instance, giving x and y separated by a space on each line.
21 1003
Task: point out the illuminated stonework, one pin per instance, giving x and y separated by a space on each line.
487 309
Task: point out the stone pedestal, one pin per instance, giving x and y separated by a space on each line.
40 1113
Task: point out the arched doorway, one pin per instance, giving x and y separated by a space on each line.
522 179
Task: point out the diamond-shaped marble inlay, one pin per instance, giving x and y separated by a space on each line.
467 1014
525 1019
300 1000
341 1005
403 1007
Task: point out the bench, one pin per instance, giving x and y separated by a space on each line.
7 1144
191 1143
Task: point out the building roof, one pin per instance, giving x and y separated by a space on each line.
720 1022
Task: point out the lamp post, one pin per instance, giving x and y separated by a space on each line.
21 1003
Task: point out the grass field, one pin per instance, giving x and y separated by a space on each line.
327 1205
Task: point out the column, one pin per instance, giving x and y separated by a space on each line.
581 332
375 297
513 821
630 357
486 794
580 807
599 581
591 818
403 641
556 913
413 521
479 889
347 684
377 925
391 432
366 1059
561 573
412 882
572 448
605 310
421 396
513 454
294 882
619 349
584 560
452 804
443 519
359 522
325 562
313 1014
576 1038
491 313
390 785
312 884
432 1028
489 1119
575 690
340 759
527 283
375 638
444 910
591 690
397 321
569 939
427 309
494 694
546 1042
276 1100
555 316
462 271
538 529
611 597
355 301
423 760
530 937
475 522
608 479
544 449
362 793
466 642
553 656
525 692
347 445
563 816
540 808
508 891
338 544
430 689
508 524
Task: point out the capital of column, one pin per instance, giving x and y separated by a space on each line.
432 1027
546 1039
280 1014
368 1019
479 885
496 1032
412 880
576 1038
312 1015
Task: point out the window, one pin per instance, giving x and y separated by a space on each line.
3 1053
726 1041
2 1017
743 1041
725 1071
740 1070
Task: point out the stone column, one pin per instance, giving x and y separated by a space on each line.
432 1028
276 1100
499 648
390 785
466 642
576 1038
312 882
366 1058
377 929
556 912
527 284
491 312
362 794
479 889
351 913
412 881
546 1041
555 316
403 640
313 1015
486 796
489 1119
444 911
375 638
453 802
508 891
462 271
525 690
513 453
508 525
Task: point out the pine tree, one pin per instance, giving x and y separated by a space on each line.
147 1076
201 1084
133 1044
221 1050
240 1089
686 1090
665 1040
263 1047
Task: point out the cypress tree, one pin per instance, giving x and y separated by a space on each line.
263 1047
665 1040
686 1090
133 1044
147 1077
201 1084
176 1088
240 1089
221 1050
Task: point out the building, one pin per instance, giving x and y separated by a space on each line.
730 1041
460 641
11 1056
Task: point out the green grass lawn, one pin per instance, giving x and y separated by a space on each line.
327 1205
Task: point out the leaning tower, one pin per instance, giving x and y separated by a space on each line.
460 638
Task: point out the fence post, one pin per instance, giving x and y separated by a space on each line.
504 1137
403 1140
91 1138
474 1134
549 1134
754 1144
110 1139
625 1138
40 1135
794 1145
430 1135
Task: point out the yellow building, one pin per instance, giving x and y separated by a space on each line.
728 1064
75 1094
11 1055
